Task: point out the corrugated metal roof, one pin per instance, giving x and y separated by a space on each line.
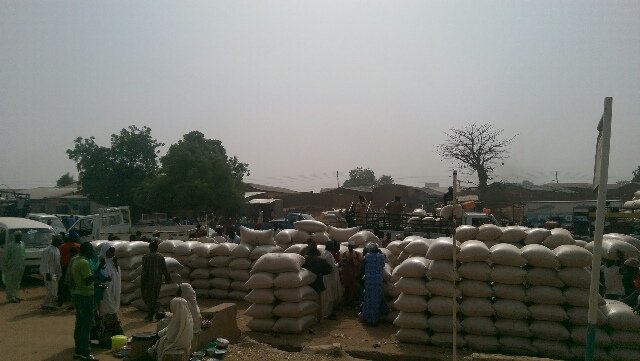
262 201
49 192
252 194
265 188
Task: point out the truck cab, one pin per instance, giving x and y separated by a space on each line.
49 219
477 219
111 220
35 235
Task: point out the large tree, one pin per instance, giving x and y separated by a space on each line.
65 180
478 148
110 175
365 177
196 175
636 175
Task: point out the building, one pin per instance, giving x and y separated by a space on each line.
60 200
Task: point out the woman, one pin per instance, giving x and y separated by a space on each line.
178 334
373 297
187 292
107 321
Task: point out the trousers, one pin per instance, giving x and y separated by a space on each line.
84 318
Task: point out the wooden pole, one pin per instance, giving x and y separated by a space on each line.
454 317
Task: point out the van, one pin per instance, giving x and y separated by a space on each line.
50 219
35 235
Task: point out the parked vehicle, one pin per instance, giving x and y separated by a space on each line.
35 235
50 219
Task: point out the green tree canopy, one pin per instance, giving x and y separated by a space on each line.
365 177
110 175
65 180
196 175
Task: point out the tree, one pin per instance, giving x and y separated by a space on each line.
476 147
110 175
196 175
65 180
360 177
636 175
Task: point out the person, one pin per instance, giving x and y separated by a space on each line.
629 271
186 291
233 237
373 304
614 290
394 212
260 220
386 240
360 210
199 232
51 271
448 197
13 267
153 268
109 305
220 236
82 292
65 249
178 334
331 281
351 261
320 268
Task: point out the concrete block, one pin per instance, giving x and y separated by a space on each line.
224 324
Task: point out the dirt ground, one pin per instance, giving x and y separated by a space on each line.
27 333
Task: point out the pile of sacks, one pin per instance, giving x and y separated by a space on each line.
301 233
634 203
282 300
623 331
518 236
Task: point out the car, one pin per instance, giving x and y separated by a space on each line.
50 219
35 235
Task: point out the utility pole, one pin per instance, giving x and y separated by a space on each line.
338 178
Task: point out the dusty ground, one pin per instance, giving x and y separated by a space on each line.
27 333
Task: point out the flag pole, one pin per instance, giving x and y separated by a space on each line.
454 317
600 179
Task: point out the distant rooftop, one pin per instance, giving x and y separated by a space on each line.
264 188
49 192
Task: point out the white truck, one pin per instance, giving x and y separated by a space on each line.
117 221
35 235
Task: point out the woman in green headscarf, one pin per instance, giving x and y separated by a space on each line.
13 268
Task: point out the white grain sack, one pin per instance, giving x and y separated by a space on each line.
411 320
510 292
410 303
479 271
508 275
507 255
414 336
473 251
540 256
479 326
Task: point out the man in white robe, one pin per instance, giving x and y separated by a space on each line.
51 271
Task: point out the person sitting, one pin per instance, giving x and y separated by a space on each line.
178 334
185 291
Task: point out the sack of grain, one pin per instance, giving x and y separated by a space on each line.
394 247
536 235
411 320
446 340
199 283
552 331
293 325
553 313
196 261
410 303
472 288
620 316
479 271
579 297
239 275
517 345
510 292
412 286
261 296
508 275
259 251
412 267
442 248
611 247
545 295
579 316
184 272
575 277
260 310
256 237
543 277
473 251
278 263
221 284
299 294
441 269
130 263
185 248
220 272
442 324
579 336
479 326
239 286
342 234
414 336
294 279
261 324
418 247
515 328
218 294
627 339
363 237
310 226
507 255
624 354
482 343
172 264
511 309
440 306
240 263
130 275
242 250
295 309
320 237
477 307
559 237
489 232
513 234
573 256
260 280
284 236
168 290
553 349
540 256
442 288
199 273
625 238
465 233
220 261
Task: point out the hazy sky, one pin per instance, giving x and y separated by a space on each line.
302 89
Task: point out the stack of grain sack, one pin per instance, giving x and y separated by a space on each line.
199 263
623 331
412 300
282 300
253 245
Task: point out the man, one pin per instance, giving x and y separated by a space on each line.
13 268
320 268
65 257
614 289
351 261
448 197
220 237
153 268
82 292
394 211
629 271
51 270
233 237
331 281
360 211
386 240
199 232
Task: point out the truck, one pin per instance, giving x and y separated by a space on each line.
117 221
616 220
35 235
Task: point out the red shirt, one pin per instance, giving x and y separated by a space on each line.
65 252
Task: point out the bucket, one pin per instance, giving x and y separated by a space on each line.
118 341
141 342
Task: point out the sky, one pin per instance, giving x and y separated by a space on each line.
301 90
